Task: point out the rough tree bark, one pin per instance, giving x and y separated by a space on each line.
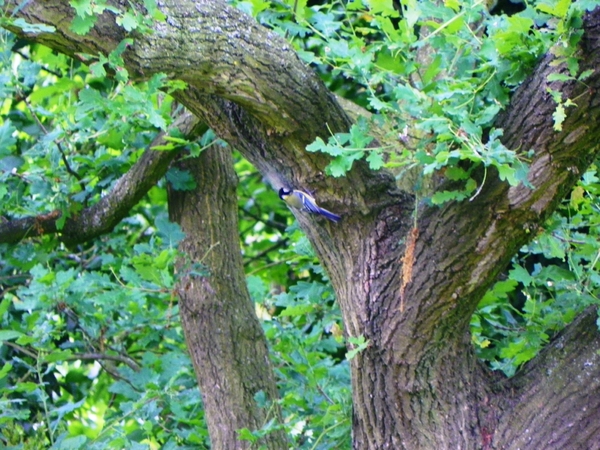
224 336
418 384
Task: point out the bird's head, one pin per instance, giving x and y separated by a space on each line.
284 192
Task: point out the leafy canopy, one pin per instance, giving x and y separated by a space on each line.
93 352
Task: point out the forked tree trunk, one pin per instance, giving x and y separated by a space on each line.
410 290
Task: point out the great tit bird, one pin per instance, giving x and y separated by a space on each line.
301 200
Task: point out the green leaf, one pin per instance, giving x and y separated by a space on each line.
98 70
383 7
27 387
339 166
359 344
246 435
557 9
156 119
442 197
508 174
83 24
261 399
375 160
585 74
7 140
170 231
128 21
9 335
257 288
559 117
521 275
9 164
122 76
456 173
432 70
298 310
82 7
559 77
359 137
6 368
4 305
153 10
317 146
58 355
181 180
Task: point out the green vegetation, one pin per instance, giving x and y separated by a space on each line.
93 353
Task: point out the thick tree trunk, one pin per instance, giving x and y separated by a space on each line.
420 357
225 339
417 385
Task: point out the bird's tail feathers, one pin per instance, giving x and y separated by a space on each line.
331 216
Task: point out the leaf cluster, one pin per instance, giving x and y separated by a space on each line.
304 330
63 139
552 279
434 77
87 12
92 349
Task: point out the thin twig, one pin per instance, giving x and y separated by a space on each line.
97 356
44 68
68 167
278 244
21 349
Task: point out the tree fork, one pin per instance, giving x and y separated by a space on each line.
417 384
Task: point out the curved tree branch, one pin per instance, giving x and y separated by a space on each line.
111 209
236 71
210 45
557 378
99 356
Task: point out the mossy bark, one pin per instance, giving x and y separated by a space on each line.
224 337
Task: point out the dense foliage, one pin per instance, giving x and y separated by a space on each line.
92 349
